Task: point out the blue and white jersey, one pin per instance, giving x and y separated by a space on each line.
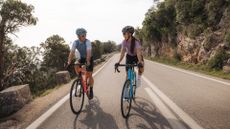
82 47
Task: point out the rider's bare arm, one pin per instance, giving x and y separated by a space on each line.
139 53
88 56
71 54
122 54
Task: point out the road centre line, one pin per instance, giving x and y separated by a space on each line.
177 110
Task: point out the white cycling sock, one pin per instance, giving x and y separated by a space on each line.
138 80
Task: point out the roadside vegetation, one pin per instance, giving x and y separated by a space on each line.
191 34
35 65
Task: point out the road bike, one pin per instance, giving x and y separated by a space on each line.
129 89
79 88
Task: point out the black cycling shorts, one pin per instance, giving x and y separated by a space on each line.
131 60
90 67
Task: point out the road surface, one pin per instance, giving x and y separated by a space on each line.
200 101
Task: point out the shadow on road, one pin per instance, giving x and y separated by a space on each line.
144 115
95 117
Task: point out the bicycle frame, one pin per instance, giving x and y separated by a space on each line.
83 78
131 78
131 75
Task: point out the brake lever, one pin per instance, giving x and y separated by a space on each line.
117 70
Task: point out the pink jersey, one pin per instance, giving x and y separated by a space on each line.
127 46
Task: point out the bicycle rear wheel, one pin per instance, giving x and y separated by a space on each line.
76 97
126 99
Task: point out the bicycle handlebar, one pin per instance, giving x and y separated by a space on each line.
70 66
80 64
125 65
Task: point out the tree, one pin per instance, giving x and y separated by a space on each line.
109 47
20 63
183 8
97 49
55 52
139 34
214 10
15 14
159 26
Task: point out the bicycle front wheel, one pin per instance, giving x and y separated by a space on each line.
126 99
76 97
134 85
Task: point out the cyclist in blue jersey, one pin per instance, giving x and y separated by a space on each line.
83 45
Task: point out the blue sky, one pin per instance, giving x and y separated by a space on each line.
103 19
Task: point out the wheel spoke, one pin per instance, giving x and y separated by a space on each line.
126 99
76 97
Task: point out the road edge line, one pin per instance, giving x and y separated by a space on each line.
189 72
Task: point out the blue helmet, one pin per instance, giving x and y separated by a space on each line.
81 31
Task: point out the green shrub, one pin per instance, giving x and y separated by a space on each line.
195 29
217 61
39 81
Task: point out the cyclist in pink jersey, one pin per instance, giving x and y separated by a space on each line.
132 47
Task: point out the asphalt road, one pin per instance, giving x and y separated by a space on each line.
206 101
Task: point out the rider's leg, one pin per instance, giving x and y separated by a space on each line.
90 83
140 72
91 80
77 68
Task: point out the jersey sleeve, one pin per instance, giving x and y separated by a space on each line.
73 48
123 44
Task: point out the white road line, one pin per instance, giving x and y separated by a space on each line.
94 74
177 110
48 113
190 73
171 118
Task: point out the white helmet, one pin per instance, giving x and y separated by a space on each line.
77 54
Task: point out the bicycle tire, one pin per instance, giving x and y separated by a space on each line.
134 85
74 87
126 114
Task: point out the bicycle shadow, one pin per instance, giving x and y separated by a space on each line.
95 117
144 115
